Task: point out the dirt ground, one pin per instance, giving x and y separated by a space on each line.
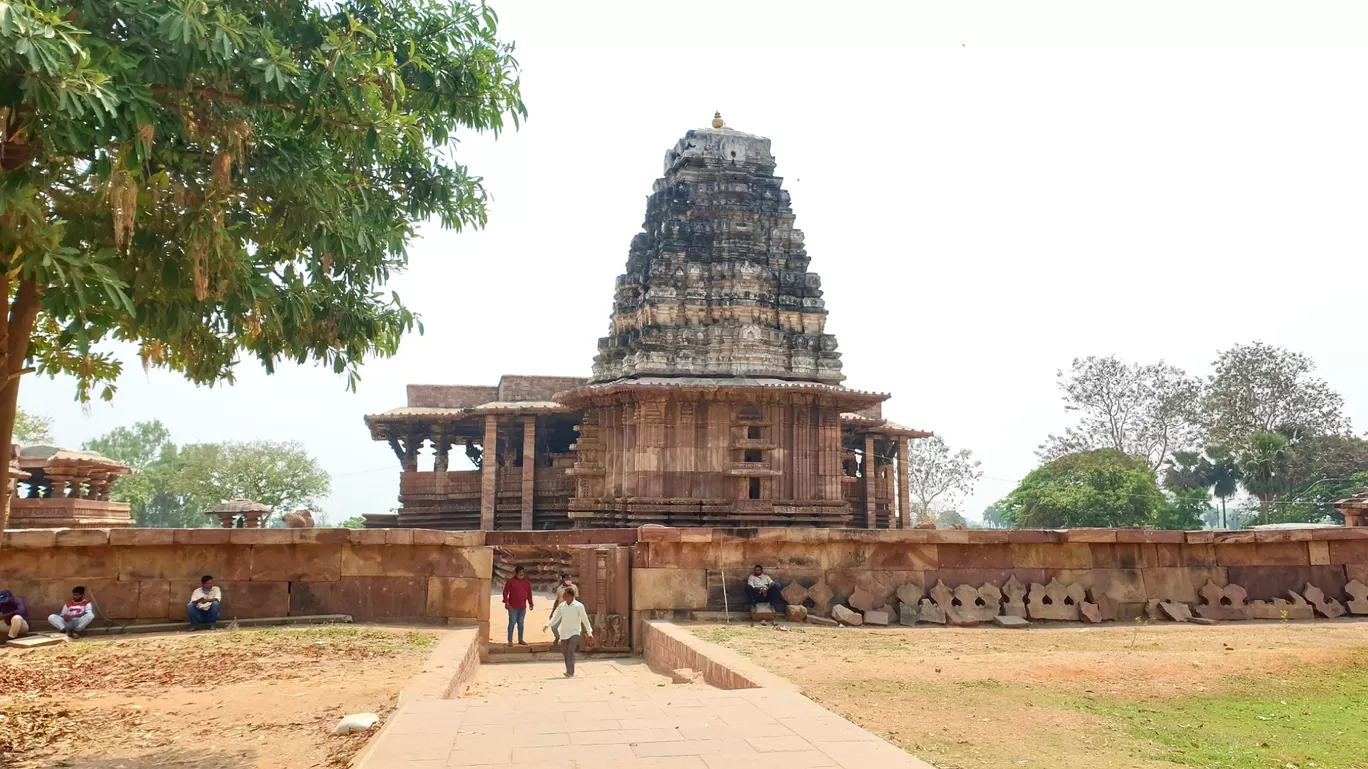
991 697
533 625
247 699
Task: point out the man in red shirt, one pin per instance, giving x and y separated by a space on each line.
517 598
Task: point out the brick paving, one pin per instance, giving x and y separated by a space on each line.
621 715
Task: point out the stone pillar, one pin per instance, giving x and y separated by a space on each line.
489 467
870 482
442 450
529 471
650 459
904 484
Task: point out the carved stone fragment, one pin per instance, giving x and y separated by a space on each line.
794 594
930 612
1016 598
1054 601
1323 604
820 595
1178 612
1297 608
796 612
1224 603
875 617
861 600
846 616
1358 597
1089 612
1108 608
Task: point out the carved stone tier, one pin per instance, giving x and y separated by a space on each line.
717 281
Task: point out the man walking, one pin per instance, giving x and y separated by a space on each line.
13 614
569 619
565 584
517 599
76 616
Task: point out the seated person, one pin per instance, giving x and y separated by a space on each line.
13 614
761 588
205 604
76 616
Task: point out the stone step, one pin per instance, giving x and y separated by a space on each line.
170 627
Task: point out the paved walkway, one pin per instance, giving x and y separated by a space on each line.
621 715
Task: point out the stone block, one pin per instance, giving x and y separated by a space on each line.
846 616
1090 535
82 537
1124 555
1149 536
456 597
794 594
795 613
1224 603
185 563
1319 552
861 600
762 612
876 618
262 537
1125 585
366 536
1234 537
1108 608
1071 555
982 576
398 536
929 612
908 614
293 563
820 594
971 605
1178 612
154 597
1010 621
1282 535
1089 612
1358 571
1180 584
1199 537
1358 597
669 589
952 556
201 536
75 564
1324 605
904 557
428 537
322 536
1203 621
813 619
410 561
1347 551
141 537
30 538
309 598
1034 536
1054 601
1268 582
910 593
381 597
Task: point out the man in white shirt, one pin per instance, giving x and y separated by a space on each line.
569 619
205 604
761 588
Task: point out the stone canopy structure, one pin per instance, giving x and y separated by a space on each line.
715 398
57 488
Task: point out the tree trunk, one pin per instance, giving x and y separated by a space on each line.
1224 524
15 335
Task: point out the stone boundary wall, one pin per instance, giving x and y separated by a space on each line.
452 663
667 647
147 575
682 569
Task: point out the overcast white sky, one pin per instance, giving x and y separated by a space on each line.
988 190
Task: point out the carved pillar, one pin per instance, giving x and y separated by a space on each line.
650 464
870 482
441 447
489 481
410 456
829 468
529 471
904 485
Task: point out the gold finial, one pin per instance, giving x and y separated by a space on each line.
717 120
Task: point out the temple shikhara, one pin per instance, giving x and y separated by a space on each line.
714 400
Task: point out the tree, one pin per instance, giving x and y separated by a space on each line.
995 518
1183 509
1322 469
938 476
355 522
212 181
1100 488
1224 475
31 429
173 487
280 475
947 518
1265 468
1143 410
1260 388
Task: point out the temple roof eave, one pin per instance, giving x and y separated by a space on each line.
880 426
411 415
847 396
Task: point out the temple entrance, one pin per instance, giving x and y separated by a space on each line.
602 576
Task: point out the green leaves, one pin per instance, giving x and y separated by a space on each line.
265 168
1102 488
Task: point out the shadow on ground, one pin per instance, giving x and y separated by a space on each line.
191 758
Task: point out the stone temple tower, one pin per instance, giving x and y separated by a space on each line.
717 282
716 396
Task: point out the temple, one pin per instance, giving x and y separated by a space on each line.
714 400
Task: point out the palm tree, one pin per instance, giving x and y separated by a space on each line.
1265 464
1223 475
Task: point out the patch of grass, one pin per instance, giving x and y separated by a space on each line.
1312 720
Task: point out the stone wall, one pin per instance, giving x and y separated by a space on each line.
682 569
666 648
147 575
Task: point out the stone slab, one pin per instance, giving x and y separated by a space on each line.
875 617
1007 620
846 616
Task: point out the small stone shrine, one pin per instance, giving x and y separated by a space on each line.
56 488
714 400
